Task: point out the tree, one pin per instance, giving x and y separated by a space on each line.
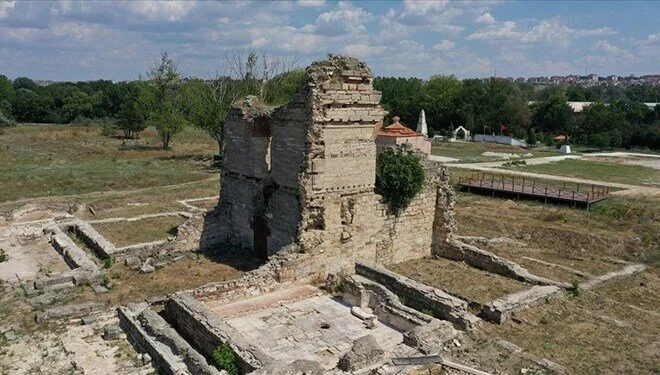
167 108
399 176
271 79
6 89
437 97
208 105
25 83
258 73
401 97
133 113
79 105
29 106
553 115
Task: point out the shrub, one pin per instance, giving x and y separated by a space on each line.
107 263
3 256
225 359
108 130
514 163
5 122
399 177
575 288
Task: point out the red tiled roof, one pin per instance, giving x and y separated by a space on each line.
397 130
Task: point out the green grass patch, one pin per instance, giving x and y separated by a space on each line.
51 160
471 152
146 230
610 172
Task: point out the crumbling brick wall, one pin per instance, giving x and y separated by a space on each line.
304 173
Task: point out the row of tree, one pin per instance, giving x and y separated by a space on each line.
169 101
618 116
164 98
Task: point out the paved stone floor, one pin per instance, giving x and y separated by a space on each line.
296 330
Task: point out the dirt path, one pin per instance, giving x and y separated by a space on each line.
530 161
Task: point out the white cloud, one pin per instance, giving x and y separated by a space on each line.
364 50
448 29
545 31
311 3
344 19
486 18
5 7
444 45
612 51
651 39
162 10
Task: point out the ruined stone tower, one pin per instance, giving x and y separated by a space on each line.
304 174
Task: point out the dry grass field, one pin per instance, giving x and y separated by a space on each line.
54 160
126 233
611 329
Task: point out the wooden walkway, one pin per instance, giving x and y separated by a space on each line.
529 188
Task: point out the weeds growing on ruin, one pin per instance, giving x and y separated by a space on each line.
107 263
225 359
575 288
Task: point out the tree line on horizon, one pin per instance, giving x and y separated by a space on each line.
164 99
617 117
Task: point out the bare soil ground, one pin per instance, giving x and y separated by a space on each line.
459 279
29 260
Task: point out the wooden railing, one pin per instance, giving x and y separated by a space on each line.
525 185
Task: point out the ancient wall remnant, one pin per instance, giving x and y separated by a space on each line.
304 174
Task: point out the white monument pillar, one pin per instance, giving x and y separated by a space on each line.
421 124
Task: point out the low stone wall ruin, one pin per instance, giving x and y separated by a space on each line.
199 326
501 309
421 296
169 352
487 261
103 248
72 254
420 331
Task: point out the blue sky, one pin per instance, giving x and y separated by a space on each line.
73 40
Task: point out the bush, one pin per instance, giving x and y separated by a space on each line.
108 130
107 263
5 122
575 288
399 177
514 163
3 256
225 359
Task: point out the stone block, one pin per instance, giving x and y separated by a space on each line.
364 353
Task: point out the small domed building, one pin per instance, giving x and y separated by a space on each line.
396 134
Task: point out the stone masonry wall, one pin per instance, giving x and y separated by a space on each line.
319 191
